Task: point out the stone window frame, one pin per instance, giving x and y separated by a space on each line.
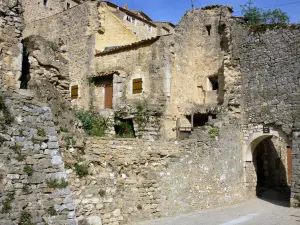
133 77
70 89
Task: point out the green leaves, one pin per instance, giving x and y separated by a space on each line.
256 15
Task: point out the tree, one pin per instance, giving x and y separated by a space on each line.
256 15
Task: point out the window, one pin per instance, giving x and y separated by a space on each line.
137 86
45 2
208 28
149 28
74 92
214 83
128 18
68 5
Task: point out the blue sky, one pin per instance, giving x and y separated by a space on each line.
173 10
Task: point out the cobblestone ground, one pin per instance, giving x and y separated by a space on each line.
271 210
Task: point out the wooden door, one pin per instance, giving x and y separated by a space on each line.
289 164
108 96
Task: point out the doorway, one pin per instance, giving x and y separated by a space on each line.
270 159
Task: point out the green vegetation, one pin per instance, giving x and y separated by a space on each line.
7 203
28 170
93 124
82 170
55 183
125 130
256 15
51 211
7 117
25 219
41 132
142 116
17 150
213 132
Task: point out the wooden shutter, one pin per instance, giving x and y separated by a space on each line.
108 96
137 86
74 92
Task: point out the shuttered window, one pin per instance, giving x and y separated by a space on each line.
74 92
137 86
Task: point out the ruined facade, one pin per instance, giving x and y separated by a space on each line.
229 90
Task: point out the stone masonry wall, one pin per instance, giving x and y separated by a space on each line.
75 29
295 196
270 73
131 180
30 160
11 26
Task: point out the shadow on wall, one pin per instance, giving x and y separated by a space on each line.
271 174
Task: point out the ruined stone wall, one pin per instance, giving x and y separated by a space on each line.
131 180
11 26
32 176
75 29
202 46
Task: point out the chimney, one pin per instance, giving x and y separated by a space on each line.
126 6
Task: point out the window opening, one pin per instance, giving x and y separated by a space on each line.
124 128
137 86
208 28
214 81
45 2
74 92
200 120
149 28
25 76
68 5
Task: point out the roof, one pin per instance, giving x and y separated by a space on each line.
114 49
131 12
171 24
141 13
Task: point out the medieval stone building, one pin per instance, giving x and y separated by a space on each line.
213 103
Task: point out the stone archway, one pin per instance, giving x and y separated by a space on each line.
265 160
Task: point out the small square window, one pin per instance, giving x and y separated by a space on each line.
74 92
137 86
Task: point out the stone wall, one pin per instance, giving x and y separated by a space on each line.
37 9
131 180
115 33
202 50
271 97
11 26
270 68
75 30
30 161
146 60
295 196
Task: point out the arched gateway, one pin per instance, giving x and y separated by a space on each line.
268 161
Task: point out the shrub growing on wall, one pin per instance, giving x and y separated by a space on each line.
93 124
